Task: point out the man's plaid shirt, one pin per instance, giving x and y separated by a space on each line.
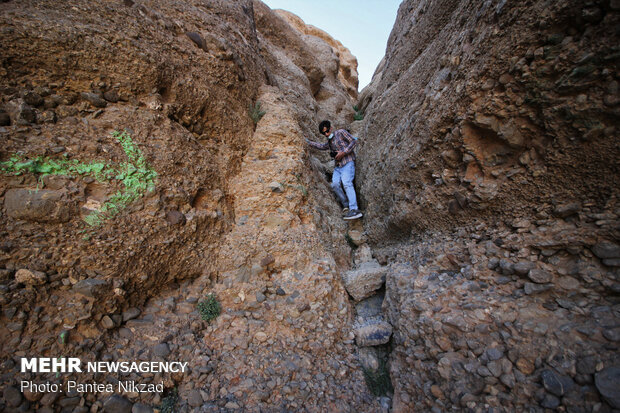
341 141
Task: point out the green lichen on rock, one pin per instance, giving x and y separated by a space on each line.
135 176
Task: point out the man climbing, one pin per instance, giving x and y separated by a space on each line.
340 144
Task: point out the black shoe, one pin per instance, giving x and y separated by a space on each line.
353 214
344 211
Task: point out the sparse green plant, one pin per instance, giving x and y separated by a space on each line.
168 403
301 187
209 308
378 381
135 175
256 113
359 115
63 336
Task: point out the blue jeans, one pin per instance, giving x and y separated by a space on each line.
345 175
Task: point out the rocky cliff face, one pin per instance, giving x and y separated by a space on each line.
489 147
110 240
153 154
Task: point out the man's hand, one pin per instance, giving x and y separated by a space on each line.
339 156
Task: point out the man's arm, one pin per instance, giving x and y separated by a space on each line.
316 145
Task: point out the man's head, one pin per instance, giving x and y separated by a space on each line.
325 127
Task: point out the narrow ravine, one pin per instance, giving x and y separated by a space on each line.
483 277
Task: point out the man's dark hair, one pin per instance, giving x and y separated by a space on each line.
324 125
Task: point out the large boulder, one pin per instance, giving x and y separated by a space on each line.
38 205
365 280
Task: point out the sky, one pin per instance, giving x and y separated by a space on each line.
362 26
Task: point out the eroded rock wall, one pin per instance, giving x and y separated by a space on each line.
488 143
66 86
239 208
471 108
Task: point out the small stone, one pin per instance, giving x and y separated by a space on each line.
493 263
65 111
550 402
175 218
130 314
32 396
467 398
508 380
276 187
495 368
556 383
18 326
507 267
368 358
94 99
69 401
12 396
260 297
608 384
521 223
606 249
90 287
111 96
28 277
525 366
373 334
612 262
267 261
48 116
49 398
107 322
125 333
539 276
568 283
531 288
51 103
494 354
484 371
587 365
523 267
280 291
141 408
117 404
566 210
385 403
436 391
357 237
196 38
260 337
161 350
194 398
26 115
9 312
612 334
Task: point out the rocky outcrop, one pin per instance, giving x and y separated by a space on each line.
488 144
236 205
475 116
347 63
486 163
